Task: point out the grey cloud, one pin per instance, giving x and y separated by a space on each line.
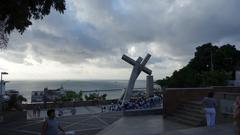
14 56
94 30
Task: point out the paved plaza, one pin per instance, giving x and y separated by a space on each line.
223 129
67 111
156 125
90 121
84 124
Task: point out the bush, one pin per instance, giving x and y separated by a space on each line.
71 96
15 102
95 97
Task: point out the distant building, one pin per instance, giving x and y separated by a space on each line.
11 92
47 95
235 82
53 94
37 96
237 78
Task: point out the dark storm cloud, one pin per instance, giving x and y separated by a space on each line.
99 32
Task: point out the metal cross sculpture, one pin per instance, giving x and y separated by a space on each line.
138 66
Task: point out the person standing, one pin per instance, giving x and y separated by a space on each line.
209 104
73 110
38 111
60 112
34 111
51 125
236 115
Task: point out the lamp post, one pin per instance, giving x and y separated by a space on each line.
2 73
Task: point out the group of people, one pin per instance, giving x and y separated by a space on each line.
141 102
136 102
209 104
37 111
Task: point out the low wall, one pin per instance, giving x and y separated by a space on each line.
69 104
141 112
13 116
172 96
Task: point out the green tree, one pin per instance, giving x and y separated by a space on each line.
80 96
21 99
19 14
203 57
95 97
211 65
226 58
214 78
15 102
103 97
69 96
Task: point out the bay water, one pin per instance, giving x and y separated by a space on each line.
25 88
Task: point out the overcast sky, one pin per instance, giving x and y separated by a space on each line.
88 40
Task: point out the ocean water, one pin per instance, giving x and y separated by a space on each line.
26 87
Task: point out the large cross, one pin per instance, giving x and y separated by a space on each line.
138 66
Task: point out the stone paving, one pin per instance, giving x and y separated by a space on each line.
85 124
90 121
141 125
156 125
223 129
67 111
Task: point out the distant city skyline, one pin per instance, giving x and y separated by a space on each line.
88 40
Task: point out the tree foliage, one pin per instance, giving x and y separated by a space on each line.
3 36
15 102
72 96
211 66
95 97
19 14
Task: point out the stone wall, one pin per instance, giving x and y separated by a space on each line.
13 116
172 96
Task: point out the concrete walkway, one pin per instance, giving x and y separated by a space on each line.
141 125
66 111
84 124
156 125
224 129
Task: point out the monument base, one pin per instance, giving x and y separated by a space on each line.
149 86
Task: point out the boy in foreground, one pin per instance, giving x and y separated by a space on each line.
51 125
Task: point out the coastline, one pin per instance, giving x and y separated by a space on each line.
30 106
25 88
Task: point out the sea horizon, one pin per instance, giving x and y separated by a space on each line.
71 79
25 87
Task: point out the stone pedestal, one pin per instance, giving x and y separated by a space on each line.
149 87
